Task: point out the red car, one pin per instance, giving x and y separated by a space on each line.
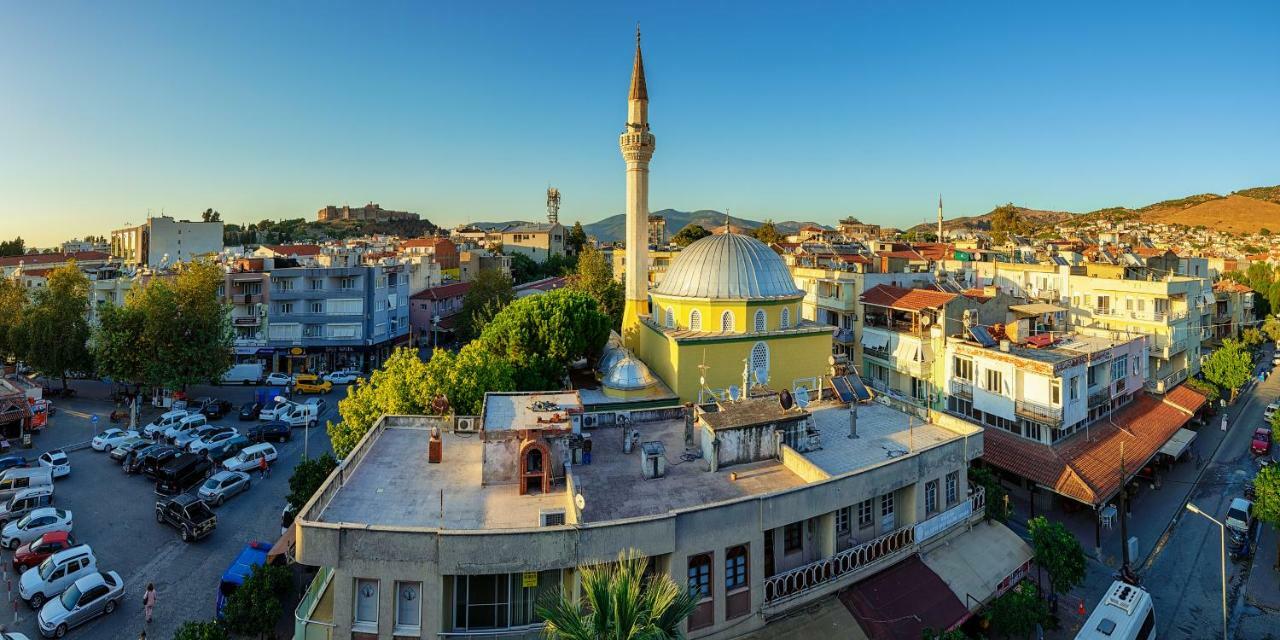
1261 441
34 552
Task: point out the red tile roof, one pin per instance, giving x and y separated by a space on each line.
294 249
443 292
906 299
978 294
53 258
1086 466
933 250
1231 286
902 601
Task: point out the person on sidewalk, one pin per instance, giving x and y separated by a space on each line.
1224 423
149 601
263 467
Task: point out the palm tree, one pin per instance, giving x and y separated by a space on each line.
618 603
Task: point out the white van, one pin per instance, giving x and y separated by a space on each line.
158 426
247 459
26 501
246 373
15 480
187 424
297 415
1125 613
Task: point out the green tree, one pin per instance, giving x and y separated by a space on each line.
618 603
953 634
1018 611
594 277
1229 367
307 477
1251 337
201 630
53 333
1266 500
689 234
1208 389
490 292
209 215
524 269
767 233
1007 220
542 335
1058 552
15 247
255 606
13 305
464 377
996 497
1271 327
577 238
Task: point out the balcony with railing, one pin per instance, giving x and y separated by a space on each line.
829 574
1099 398
1167 383
313 619
1148 316
246 298
1038 412
962 388
246 321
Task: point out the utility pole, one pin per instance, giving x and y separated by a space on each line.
1124 517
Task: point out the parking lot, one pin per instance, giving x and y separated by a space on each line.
115 514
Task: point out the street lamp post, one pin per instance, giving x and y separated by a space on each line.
1222 551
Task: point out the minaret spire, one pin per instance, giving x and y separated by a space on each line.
939 217
639 91
636 144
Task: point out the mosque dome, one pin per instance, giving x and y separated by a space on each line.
612 354
628 374
728 266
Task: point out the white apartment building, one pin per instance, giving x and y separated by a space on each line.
164 241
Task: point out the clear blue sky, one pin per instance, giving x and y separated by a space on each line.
467 111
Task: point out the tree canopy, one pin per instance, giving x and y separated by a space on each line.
256 606
209 215
52 333
1017 612
307 477
689 234
14 247
577 238
201 630
1058 552
1006 221
13 304
618 603
490 292
541 335
1230 366
1271 327
767 233
594 277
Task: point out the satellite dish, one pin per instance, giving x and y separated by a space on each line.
785 399
580 501
925 320
802 397
734 392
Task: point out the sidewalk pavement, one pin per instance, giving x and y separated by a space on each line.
1263 588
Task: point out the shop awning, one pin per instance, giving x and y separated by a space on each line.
902 601
981 563
874 340
1178 443
1036 308
1209 298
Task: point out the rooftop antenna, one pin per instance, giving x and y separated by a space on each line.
553 205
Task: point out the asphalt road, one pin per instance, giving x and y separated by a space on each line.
115 514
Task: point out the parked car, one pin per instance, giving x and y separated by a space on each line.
275 430
185 440
87 598
213 408
34 552
1261 444
1270 410
35 524
343 376
318 403
219 452
1240 516
185 426
189 515
157 427
250 411
311 383
57 461
111 438
132 462
220 435
182 473
129 446
18 479
223 485
248 459
156 458
25 502
279 380
57 572
11 461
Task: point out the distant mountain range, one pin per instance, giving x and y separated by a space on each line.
613 228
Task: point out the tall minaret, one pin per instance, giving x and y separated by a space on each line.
637 144
939 217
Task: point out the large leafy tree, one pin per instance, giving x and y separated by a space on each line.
996 497
1018 611
689 234
1229 367
13 304
116 344
541 335
577 238
255 607
1058 552
524 269
490 292
594 277
201 630
15 247
1266 501
767 233
307 477
53 332
618 603
1271 327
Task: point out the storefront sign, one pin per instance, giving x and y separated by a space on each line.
296 351
529 579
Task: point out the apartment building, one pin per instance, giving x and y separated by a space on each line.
436 310
756 532
163 241
1230 313
537 241
474 261
247 289
831 298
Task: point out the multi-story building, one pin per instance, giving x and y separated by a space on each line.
163 241
784 509
368 213
473 261
1231 311
657 231
247 289
537 241
50 261
853 229
435 310
442 250
831 298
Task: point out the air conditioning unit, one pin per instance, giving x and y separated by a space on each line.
551 518
465 425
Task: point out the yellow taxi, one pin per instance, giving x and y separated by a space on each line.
311 383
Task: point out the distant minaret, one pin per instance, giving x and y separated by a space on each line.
939 217
637 145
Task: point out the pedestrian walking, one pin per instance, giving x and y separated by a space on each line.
1224 423
264 467
149 602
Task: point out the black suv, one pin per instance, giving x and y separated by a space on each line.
213 408
156 457
188 514
276 430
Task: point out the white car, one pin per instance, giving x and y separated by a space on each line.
343 376
158 426
57 572
279 380
249 458
1270 410
212 440
110 438
58 461
33 525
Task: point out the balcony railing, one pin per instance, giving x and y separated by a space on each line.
1167 383
961 387
305 626
1038 412
246 298
844 336
246 321
869 555
1151 316
1099 398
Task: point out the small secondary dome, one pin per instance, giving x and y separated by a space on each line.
728 266
628 374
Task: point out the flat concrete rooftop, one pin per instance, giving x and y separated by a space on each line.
883 435
516 410
614 486
394 485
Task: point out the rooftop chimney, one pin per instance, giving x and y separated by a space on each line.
435 448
